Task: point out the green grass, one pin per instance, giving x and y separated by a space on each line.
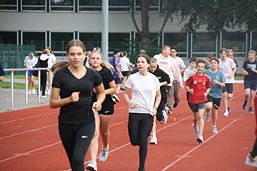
4 84
239 77
20 76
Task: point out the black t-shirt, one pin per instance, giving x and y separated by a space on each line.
107 77
247 67
1 71
80 111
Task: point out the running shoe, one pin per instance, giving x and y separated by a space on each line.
214 130
244 104
250 110
200 139
196 129
92 166
103 155
226 112
165 117
168 110
207 117
153 140
175 104
141 168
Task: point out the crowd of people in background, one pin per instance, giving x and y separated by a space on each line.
87 84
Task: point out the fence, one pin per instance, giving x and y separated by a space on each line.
26 83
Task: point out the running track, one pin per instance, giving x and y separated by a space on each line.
29 140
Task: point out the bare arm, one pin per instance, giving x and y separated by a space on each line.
100 96
1 78
157 102
129 102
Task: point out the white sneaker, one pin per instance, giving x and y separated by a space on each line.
165 117
226 112
167 110
214 130
34 91
103 155
92 166
196 130
207 117
30 92
153 140
200 139
115 96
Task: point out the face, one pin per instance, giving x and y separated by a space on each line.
95 60
166 52
223 54
153 67
230 55
251 56
142 64
76 56
192 64
214 64
173 53
200 67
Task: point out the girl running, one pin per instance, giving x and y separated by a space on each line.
103 117
142 105
72 91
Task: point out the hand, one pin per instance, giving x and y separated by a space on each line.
74 97
252 69
230 76
131 104
205 94
181 85
191 91
96 106
245 73
154 112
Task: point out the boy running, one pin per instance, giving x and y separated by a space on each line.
250 79
214 97
198 85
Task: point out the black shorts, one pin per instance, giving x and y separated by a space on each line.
228 88
215 101
117 80
107 106
195 107
250 84
125 73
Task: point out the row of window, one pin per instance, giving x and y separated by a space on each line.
74 5
188 44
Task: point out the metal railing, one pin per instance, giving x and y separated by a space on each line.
12 70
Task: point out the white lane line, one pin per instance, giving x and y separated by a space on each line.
198 146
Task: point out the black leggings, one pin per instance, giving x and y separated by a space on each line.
76 139
254 151
139 128
43 77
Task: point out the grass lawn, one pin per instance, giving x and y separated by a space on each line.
4 84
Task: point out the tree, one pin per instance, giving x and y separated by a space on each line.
144 31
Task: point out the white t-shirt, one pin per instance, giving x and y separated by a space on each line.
143 92
227 66
51 60
30 63
124 62
188 72
180 63
168 65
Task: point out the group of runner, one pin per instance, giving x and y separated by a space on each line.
80 125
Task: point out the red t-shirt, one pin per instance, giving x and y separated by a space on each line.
199 84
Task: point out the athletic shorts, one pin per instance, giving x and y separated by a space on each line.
117 80
125 73
228 88
195 107
107 106
250 84
215 101
29 73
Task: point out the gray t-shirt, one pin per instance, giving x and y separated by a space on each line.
216 90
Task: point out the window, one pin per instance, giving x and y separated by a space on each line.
8 37
235 41
62 5
90 5
178 40
119 5
203 44
59 41
153 5
39 5
34 38
118 41
254 38
90 40
8 5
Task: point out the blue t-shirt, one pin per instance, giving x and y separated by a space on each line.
115 63
216 90
247 66
1 71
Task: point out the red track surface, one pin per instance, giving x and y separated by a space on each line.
29 140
